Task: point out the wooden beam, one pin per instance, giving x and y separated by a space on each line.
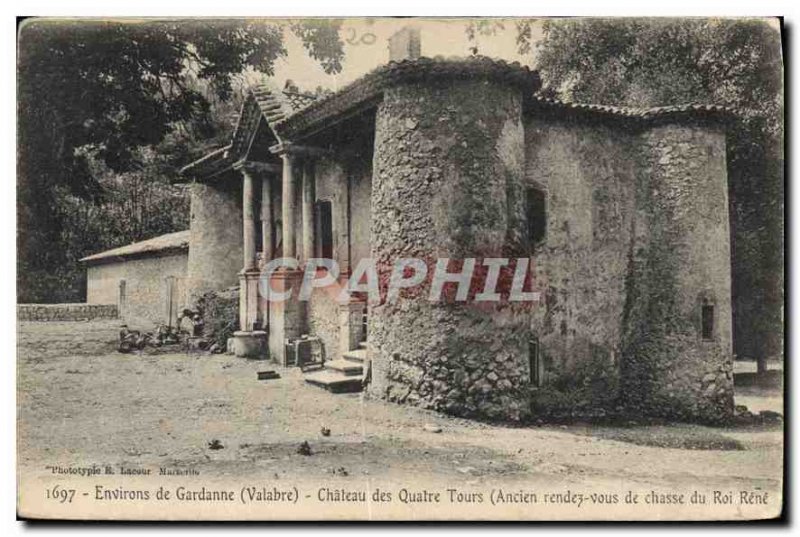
258 167
284 148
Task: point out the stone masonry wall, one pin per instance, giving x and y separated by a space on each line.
323 322
322 309
668 368
333 177
587 171
360 212
65 312
148 280
215 242
331 185
448 168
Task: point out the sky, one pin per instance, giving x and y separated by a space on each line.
366 47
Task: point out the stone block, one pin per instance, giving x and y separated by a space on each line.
251 344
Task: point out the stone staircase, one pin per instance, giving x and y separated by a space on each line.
345 375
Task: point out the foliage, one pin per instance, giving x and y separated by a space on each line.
320 37
106 92
220 313
132 206
659 62
587 388
646 62
481 28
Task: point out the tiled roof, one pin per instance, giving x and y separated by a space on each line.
279 105
171 241
373 83
289 112
292 114
643 114
262 101
298 100
210 164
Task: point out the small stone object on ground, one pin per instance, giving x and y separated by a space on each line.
551 468
215 444
304 449
741 411
769 416
429 427
268 375
130 340
229 346
197 343
325 431
340 471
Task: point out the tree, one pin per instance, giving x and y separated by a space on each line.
738 63
105 90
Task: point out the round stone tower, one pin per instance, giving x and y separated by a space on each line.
215 239
677 360
447 183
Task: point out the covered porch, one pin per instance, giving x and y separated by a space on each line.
301 198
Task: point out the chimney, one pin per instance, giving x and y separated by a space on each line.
290 86
405 44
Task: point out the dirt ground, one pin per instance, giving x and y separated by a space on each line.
80 402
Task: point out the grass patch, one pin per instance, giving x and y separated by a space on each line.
667 436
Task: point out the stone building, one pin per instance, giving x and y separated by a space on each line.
624 214
146 280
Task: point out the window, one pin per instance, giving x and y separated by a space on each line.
707 320
537 216
534 361
325 234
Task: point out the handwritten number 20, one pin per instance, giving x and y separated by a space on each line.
367 38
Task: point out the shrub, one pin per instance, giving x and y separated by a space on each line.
220 313
585 389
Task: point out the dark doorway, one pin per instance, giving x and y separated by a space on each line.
535 361
325 219
537 216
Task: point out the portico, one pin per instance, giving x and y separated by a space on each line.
265 326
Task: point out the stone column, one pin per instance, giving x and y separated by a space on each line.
266 218
248 220
288 209
249 341
308 209
287 319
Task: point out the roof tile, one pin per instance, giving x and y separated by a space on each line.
171 241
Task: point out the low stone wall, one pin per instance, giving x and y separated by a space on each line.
66 312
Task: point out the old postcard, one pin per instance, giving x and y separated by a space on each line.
400 269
